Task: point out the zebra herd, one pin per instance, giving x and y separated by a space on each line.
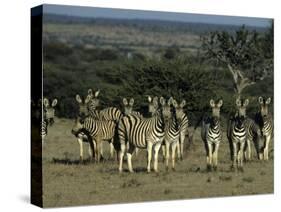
165 129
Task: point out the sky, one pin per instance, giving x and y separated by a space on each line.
154 15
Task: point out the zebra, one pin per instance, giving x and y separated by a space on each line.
146 133
264 120
183 126
172 131
212 135
97 130
128 110
48 117
237 135
87 108
252 130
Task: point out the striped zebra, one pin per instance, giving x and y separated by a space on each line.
172 130
183 126
264 120
88 109
212 135
128 110
97 130
146 133
252 130
48 117
237 135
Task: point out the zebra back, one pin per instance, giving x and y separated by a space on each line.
104 130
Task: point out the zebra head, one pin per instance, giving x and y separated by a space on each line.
152 105
83 106
78 126
94 102
49 110
216 107
242 106
179 109
264 106
166 108
128 106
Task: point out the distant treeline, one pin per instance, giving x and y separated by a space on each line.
147 25
73 70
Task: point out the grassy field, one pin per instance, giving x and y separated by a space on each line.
67 183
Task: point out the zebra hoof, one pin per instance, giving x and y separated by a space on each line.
232 168
215 168
173 169
167 168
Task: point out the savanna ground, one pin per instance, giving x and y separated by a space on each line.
67 183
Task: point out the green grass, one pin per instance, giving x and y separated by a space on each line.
67 183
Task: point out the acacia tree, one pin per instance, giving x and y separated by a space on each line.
247 55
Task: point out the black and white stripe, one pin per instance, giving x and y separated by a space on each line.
97 130
264 120
212 135
47 117
172 132
237 134
142 133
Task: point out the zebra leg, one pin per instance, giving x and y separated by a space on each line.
101 151
111 150
149 152
80 142
209 156
249 148
167 155
121 157
215 156
90 151
266 146
179 150
129 157
242 144
174 146
164 154
181 144
156 150
234 162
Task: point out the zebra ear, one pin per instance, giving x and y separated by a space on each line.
183 103
131 103
260 100
125 102
170 101
54 103
162 101
268 101
97 93
88 98
149 98
238 102
78 98
246 102
212 103
46 102
220 103
90 92
175 104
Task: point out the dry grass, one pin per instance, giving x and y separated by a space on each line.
66 182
